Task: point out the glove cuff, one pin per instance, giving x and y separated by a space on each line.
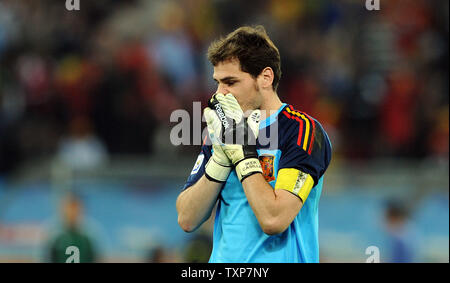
216 172
248 167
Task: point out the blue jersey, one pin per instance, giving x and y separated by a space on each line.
301 143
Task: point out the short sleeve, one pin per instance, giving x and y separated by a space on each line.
306 148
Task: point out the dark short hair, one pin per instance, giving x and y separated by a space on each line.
252 47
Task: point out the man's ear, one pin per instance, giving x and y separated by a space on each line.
266 78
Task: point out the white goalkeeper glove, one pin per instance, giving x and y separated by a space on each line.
219 165
240 136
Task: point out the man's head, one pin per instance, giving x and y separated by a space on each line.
246 64
71 210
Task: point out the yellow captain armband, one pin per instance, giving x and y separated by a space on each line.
294 181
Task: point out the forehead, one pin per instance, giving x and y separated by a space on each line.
228 68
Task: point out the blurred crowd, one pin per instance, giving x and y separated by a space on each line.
102 80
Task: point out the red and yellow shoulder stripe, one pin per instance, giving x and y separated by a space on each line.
306 127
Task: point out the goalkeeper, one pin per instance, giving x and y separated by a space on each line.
267 195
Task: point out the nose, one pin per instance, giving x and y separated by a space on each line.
222 89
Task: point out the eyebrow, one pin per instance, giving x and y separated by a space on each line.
227 79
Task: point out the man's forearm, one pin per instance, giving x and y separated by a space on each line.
195 204
275 210
261 197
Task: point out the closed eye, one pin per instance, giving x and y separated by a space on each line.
228 81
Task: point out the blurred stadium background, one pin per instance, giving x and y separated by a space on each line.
86 96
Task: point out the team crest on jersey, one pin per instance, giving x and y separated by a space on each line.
266 161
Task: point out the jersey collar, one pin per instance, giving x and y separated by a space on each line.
272 118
